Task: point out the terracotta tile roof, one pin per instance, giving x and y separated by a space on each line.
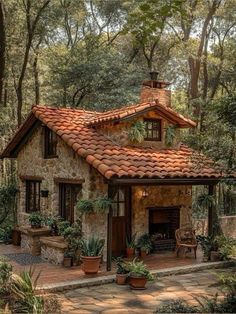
129 111
111 160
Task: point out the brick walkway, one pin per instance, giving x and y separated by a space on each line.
57 274
111 298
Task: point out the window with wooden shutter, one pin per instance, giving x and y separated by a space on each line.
50 143
32 196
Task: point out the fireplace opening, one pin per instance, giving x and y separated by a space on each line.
163 221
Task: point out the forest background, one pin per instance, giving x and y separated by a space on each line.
94 54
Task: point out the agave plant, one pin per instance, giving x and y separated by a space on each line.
23 288
92 247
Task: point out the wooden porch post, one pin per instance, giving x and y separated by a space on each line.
109 234
211 209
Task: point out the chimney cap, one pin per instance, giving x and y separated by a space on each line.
153 75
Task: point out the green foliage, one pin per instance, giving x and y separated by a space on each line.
176 306
137 132
144 242
99 205
8 204
131 241
36 219
92 247
62 225
207 244
227 246
228 283
122 267
102 204
226 109
6 234
205 201
170 135
23 288
139 269
72 235
5 274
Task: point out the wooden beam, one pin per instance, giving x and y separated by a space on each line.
168 181
69 181
211 210
33 178
109 234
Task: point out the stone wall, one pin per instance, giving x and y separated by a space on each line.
119 133
228 225
159 196
68 165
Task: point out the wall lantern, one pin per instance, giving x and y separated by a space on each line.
44 193
145 193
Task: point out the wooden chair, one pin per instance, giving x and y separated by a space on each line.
185 238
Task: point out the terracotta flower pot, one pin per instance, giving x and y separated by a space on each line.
16 236
215 256
143 253
121 279
90 264
137 283
68 262
130 252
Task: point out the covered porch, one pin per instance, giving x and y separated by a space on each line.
155 206
54 275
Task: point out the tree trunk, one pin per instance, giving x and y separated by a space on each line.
2 48
36 79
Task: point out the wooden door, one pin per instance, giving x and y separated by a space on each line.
68 194
120 220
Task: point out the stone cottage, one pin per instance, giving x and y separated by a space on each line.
66 154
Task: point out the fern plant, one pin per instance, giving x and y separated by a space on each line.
170 135
137 132
85 206
102 204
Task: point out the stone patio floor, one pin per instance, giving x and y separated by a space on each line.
111 298
52 274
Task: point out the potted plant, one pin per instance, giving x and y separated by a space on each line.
138 275
35 220
72 236
68 258
121 271
85 206
130 246
91 251
144 243
52 222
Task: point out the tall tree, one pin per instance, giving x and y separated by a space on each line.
2 48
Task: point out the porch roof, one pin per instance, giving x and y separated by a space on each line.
110 159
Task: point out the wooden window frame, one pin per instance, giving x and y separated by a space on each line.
158 128
31 187
50 143
62 195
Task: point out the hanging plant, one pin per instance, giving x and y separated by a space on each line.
170 135
85 206
102 204
99 205
137 132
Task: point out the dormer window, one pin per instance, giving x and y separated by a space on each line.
153 129
50 143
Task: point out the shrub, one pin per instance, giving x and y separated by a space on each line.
62 225
176 306
5 273
36 219
226 246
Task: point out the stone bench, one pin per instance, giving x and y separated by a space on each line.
30 239
52 249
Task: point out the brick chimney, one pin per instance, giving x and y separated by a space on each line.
155 90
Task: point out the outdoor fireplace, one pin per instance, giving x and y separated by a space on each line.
163 221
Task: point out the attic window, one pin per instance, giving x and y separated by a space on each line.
153 129
50 143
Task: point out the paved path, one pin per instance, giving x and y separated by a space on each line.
111 298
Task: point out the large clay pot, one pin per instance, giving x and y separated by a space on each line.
90 264
137 283
121 279
130 252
